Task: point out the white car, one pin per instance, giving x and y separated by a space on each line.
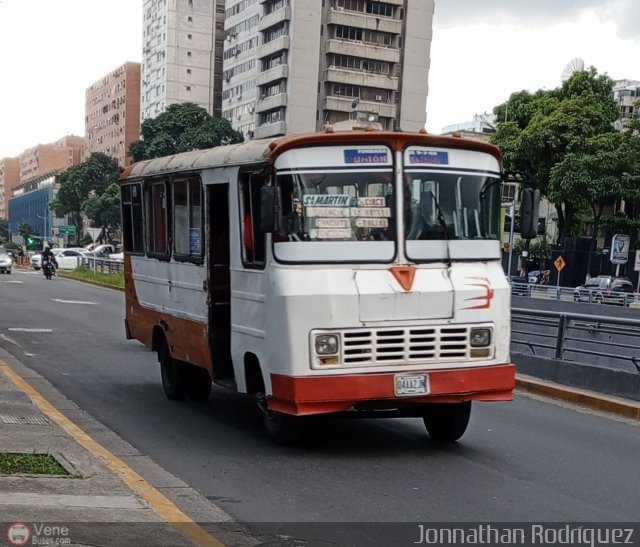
6 262
67 259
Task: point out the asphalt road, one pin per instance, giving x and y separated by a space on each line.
528 460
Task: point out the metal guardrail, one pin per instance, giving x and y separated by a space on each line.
102 265
571 294
585 339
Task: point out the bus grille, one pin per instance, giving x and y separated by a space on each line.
420 344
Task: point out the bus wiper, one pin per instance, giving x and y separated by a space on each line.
440 217
443 224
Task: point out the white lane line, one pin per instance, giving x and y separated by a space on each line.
74 302
12 281
24 329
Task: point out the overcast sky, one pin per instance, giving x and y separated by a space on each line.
51 51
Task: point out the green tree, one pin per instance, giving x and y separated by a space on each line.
81 182
542 128
596 175
181 128
4 229
104 210
25 229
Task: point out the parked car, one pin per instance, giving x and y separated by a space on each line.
605 289
534 277
101 250
6 261
518 285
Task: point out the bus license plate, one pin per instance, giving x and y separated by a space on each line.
411 384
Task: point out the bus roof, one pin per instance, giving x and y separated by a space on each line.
263 150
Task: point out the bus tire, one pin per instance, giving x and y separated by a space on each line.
447 422
283 429
199 383
174 375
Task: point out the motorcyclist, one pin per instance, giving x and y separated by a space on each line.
47 254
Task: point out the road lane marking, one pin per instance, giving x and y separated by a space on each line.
25 329
156 500
74 302
12 281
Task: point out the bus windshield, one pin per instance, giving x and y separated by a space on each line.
337 206
451 206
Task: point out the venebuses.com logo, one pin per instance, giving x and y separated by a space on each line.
18 533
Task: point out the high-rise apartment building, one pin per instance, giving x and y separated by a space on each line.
112 113
182 55
9 177
293 66
45 158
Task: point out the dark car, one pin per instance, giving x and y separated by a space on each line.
518 285
605 289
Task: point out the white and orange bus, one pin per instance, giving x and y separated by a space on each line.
340 271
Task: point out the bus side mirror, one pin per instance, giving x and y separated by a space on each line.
529 213
270 209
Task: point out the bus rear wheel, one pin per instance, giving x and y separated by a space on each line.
181 380
447 422
174 377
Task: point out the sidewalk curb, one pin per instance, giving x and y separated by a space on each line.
579 397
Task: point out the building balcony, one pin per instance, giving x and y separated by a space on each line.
353 48
343 104
283 14
270 130
272 75
271 48
269 103
360 78
364 21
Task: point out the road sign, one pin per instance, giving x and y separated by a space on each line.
636 266
559 263
620 249
67 230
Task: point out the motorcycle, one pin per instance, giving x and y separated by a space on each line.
48 268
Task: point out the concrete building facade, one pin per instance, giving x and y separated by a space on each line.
182 55
112 113
292 66
627 94
44 158
9 177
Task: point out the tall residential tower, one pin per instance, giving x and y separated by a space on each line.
182 55
293 66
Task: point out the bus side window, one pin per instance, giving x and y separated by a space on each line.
253 240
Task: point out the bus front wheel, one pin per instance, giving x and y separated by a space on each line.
281 428
447 422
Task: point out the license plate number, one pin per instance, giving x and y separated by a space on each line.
411 384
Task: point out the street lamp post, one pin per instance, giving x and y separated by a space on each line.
45 227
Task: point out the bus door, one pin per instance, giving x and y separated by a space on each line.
219 281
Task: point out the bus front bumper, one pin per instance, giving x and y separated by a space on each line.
336 393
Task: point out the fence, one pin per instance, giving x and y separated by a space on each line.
102 265
593 352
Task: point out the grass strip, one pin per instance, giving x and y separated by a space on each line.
31 464
85 274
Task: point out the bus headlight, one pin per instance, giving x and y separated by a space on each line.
326 344
479 338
